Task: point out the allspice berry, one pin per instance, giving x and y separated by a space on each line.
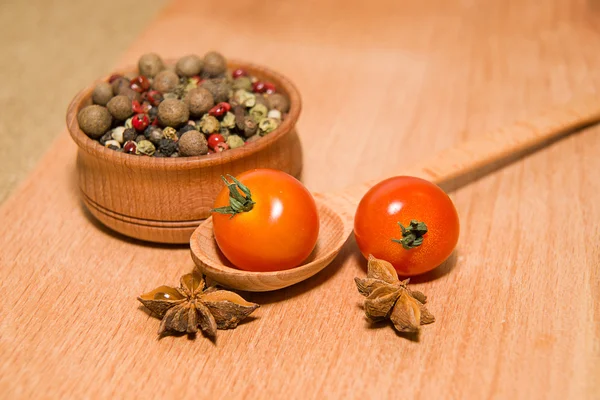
120 107
214 64
219 88
173 112
131 94
279 102
118 84
102 93
189 66
199 101
94 120
193 143
150 65
165 81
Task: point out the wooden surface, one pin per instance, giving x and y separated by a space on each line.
517 306
164 199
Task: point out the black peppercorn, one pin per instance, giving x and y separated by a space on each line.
167 146
159 154
129 134
105 138
153 113
186 128
139 138
154 134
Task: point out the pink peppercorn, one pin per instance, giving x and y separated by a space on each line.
154 97
239 73
218 110
140 84
130 147
221 147
269 88
140 122
140 108
258 87
214 140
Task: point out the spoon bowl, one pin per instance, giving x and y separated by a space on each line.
336 210
212 262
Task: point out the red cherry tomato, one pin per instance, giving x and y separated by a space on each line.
401 200
278 231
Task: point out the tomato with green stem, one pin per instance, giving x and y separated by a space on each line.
408 221
265 220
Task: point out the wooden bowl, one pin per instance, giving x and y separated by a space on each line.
165 199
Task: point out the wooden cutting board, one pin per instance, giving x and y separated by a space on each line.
383 84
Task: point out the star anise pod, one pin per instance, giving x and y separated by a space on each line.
190 306
388 297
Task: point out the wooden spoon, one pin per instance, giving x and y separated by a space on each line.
449 169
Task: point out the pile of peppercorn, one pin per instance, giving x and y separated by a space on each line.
193 108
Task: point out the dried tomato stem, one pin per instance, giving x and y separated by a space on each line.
238 202
412 235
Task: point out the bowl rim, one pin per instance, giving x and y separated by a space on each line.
93 147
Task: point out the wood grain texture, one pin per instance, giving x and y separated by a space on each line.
517 307
164 199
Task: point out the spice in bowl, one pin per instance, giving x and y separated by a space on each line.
193 108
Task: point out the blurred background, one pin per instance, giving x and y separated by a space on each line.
468 66
51 50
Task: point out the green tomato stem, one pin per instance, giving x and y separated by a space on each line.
412 235
238 202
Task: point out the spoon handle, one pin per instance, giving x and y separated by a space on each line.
458 165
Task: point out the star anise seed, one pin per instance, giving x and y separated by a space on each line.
190 306
389 298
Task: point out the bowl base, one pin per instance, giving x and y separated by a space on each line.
143 229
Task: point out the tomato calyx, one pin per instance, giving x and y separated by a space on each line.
412 235
238 202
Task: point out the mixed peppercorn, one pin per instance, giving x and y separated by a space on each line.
193 108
